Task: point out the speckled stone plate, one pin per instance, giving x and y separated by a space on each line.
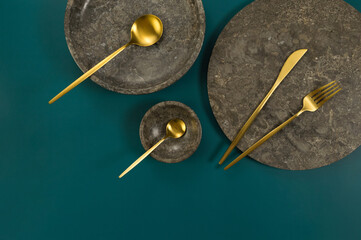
153 128
247 59
96 28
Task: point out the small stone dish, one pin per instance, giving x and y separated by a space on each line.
153 128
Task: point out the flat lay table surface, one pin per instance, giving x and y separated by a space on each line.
59 163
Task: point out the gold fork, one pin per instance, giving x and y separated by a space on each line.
313 101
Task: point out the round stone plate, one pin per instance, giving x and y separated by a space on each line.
96 28
247 59
153 128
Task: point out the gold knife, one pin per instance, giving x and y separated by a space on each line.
286 69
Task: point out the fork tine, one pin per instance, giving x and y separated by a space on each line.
311 94
320 98
325 94
320 103
319 94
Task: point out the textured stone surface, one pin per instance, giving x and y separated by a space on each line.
247 59
153 128
96 28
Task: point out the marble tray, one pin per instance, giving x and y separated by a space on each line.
153 128
247 59
96 28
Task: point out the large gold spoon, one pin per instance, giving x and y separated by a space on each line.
175 129
146 31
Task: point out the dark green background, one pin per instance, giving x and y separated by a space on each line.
59 164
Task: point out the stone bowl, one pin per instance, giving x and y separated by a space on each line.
95 29
153 128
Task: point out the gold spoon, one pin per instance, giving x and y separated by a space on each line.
146 31
175 129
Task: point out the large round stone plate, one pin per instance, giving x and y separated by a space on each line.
247 59
96 28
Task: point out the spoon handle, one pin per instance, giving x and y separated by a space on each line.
142 157
88 73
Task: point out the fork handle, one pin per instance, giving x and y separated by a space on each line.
262 140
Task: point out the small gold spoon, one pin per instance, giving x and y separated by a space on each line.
146 31
175 129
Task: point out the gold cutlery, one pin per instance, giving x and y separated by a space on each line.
286 69
146 31
175 129
313 101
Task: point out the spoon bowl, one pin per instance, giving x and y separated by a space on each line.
146 30
176 128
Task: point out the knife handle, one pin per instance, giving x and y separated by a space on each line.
248 123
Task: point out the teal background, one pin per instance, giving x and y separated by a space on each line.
59 164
